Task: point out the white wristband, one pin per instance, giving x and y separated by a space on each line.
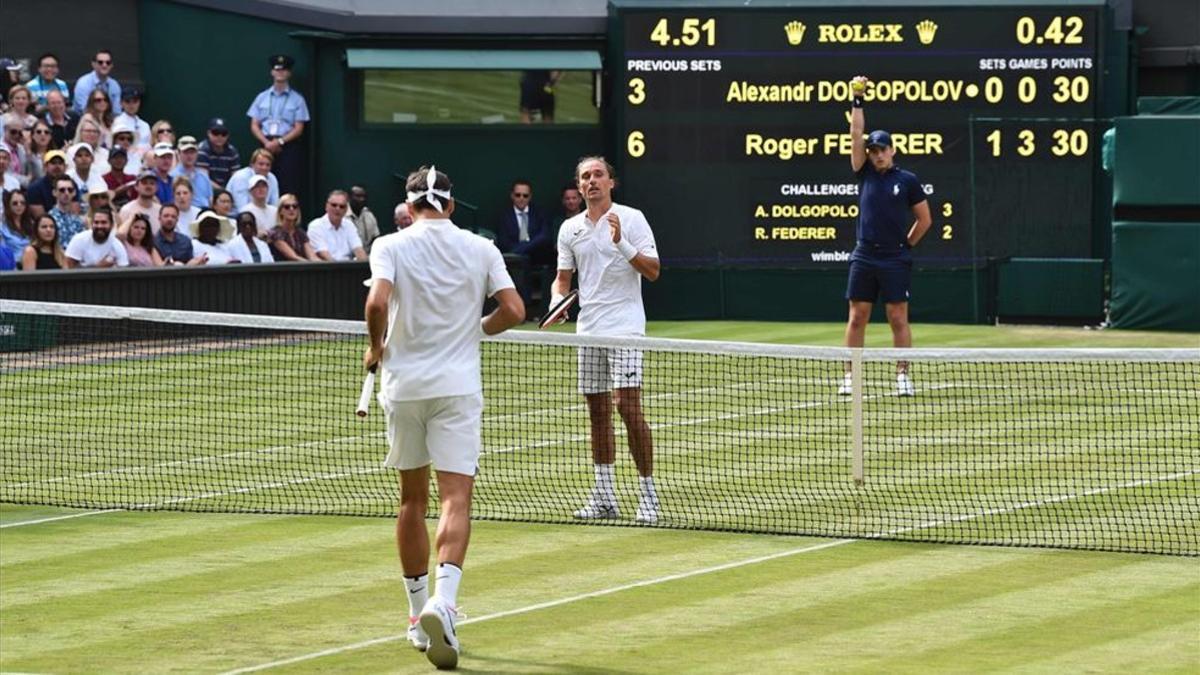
627 249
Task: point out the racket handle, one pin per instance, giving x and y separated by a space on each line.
368 388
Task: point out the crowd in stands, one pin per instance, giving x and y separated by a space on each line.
88 183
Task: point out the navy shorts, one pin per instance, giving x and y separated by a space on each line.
891 279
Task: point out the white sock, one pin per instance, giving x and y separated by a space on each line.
448 576
605 491
418 593
648 490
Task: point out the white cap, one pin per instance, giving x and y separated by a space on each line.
122 126
74 149
257 179
163 149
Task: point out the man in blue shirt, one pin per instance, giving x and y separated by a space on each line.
102 65
201 185
277 119
46 80
893 215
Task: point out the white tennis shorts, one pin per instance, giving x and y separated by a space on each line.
443 431
603 369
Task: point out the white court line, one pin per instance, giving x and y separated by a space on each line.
718 568
552 603
54 518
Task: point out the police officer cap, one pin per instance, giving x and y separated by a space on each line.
282 62
880 139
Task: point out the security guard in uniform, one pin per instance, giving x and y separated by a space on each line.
277 119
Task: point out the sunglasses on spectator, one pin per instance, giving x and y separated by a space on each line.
66 190
167 130
289 206
104 62
14 130
337 206
41 131
219 133
521 194
18 203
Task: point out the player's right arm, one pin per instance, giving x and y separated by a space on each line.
566 267
858 150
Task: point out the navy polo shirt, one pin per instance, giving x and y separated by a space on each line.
885 202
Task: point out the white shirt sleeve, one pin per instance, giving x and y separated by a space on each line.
264 251
352 235
566 257
642 237
118 251
316 236
76 246
383 263
498 278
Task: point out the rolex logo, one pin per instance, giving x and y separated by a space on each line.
795 32
926 30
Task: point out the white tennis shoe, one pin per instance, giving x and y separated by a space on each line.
847 386
416 635
904 386
647 511
437 620
597 509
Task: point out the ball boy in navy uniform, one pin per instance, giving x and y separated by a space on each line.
893 216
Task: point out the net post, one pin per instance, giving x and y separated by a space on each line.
856 412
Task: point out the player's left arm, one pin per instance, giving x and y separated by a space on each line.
633 247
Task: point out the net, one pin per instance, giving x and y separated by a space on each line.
108 407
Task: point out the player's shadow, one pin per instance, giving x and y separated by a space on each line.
477 662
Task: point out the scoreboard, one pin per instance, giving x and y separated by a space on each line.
733 126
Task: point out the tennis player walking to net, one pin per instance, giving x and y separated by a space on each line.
428 284
881 265
612 246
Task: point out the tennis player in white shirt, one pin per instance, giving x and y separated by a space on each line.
612 247
432 389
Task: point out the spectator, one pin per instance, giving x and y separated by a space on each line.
264 213
20 103
523 228
189 151
66 208
222 203
277 118
97 247
17 224
572 204
8 181
164 159
42 195
90 132
139 243
184 201
209 231
246 247
119 182
125 137
239 182
14 142
99 108
217 155
41 141
102 65
61 118
402 216
288 241
98 200
131 105
85 178
364 221
46 80
173 246
45 251
332 238
161 132
145 188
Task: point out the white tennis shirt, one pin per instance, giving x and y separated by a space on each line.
83 249
440 276
610 289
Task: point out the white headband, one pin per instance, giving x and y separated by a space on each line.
430 194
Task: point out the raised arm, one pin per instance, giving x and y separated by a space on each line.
858 151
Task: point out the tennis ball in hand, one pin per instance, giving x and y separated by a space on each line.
858 86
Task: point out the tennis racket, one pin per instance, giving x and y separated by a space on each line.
560 310
368 388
